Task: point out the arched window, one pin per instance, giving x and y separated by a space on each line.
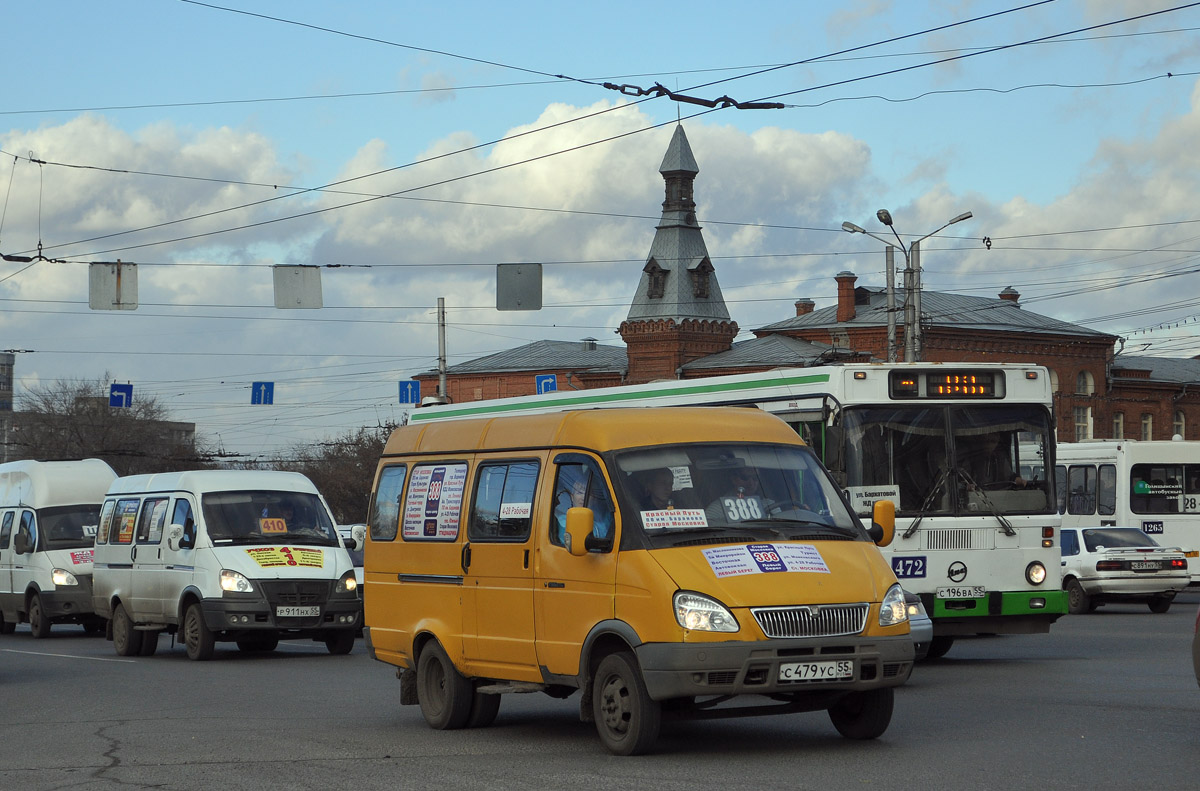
1118 426
1053 381
1147 426
1179 424
1084 383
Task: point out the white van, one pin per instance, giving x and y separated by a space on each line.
216 555
48 516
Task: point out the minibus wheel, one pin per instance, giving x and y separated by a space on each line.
149 643
197 637
445 696
126 639
627 719
6 627
863 715
340 642
39 624
484 709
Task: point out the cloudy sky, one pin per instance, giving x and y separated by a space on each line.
409 148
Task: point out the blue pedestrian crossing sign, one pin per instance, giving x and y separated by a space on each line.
410 391
546 383
120 395
262 393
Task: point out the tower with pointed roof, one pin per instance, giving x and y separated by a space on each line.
678 314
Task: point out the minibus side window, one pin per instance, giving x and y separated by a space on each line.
385 507
105 521
29 528
579 482
126 518
150 527
6 530
503 506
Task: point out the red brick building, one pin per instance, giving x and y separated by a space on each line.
678 327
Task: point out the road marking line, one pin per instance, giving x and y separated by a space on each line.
64 656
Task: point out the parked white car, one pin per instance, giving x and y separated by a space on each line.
1103 564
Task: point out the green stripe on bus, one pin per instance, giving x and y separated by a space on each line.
598 396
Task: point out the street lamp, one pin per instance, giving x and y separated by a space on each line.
912 283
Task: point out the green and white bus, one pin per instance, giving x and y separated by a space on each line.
1153 485
965 451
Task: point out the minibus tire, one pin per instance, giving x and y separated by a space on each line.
863 715
149 643
340 642
198 639
444 695
627 719
39 624
6 627
484 709
126 639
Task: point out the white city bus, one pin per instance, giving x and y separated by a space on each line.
981 553
1154 485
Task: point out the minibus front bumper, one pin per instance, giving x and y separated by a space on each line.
675 670
305 607
68 602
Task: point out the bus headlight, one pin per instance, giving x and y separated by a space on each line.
1035 572
347 584
63 577
234 582
703 614
893 609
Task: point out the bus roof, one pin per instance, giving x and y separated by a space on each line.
203 481
42 484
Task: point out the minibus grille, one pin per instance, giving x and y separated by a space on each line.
820 620
294 593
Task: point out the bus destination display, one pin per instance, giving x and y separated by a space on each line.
938 384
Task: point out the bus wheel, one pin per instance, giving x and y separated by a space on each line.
6 626
445 696
939 647
863 715
39 624
483 710
197 637
1160 604
1078 602
149 643
340 642
627 719
126 639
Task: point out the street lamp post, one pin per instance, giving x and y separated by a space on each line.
912 284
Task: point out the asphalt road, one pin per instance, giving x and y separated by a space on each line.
1106 701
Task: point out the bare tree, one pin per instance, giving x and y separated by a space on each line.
343 469
71 419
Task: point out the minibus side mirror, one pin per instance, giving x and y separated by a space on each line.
358 537
174 536
883 522
579 528
22 544
182 536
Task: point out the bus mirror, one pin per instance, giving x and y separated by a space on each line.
21 542
174 536
832 452
359 534
579 527
883 522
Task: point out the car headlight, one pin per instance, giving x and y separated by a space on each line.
1035 572
63 577
347 584
235 582
913 605
893 609
703 614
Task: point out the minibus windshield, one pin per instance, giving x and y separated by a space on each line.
69 526
267 517
733 492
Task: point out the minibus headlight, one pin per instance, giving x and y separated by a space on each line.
347 584
234 582
893 609
703 614
1035 572
63 577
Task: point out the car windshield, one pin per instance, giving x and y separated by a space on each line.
1111 537
268 517
731 492
69 526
